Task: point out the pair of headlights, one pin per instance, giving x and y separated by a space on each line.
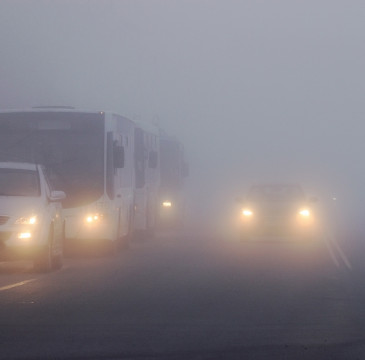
303 212
93 218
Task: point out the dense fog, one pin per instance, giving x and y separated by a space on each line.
257 91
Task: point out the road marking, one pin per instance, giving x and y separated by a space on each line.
7 287
342 254
333 257
334 248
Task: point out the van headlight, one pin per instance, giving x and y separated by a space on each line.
27 220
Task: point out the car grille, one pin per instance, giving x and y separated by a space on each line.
4 219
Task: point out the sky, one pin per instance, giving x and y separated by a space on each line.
257 90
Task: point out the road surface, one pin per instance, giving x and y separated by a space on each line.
184 296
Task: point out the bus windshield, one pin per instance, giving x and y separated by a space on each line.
70 146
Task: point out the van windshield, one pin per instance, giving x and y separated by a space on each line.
19 182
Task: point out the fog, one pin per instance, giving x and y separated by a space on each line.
257 91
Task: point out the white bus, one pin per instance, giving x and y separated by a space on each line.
89 155
147 178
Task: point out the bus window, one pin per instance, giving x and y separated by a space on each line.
110 166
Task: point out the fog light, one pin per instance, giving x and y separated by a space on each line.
166 204
25 235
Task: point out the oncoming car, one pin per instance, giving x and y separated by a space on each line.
31 222
280 210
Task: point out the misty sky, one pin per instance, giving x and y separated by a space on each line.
256 90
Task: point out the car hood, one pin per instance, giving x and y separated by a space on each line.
19 205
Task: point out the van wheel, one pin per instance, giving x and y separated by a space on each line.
44 261
57 261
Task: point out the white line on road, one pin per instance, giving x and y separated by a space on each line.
334 248
7 287
333 257
342 254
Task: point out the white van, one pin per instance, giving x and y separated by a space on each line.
31 221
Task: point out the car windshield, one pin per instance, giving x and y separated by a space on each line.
19 182
285 193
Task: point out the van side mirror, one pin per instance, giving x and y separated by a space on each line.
118 157
57 195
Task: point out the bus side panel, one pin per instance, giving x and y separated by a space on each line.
124 176
153 181
140 197
122 197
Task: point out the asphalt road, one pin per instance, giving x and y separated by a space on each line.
190 297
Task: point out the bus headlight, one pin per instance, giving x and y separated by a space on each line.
93 218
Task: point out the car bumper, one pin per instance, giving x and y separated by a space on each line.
19 243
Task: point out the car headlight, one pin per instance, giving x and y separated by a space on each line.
27 220
247 212
304 212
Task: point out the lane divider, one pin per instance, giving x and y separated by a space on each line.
8 287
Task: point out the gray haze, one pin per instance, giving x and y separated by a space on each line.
256 90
